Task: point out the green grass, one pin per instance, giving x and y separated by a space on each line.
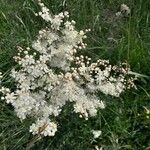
123 123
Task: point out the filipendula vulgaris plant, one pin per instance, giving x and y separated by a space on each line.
41 92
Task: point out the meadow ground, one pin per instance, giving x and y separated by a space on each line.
124 123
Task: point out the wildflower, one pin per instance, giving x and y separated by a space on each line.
96 133
97 148
10 97
41 91
118 14
125 9
43 127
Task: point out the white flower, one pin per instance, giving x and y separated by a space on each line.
96 133
43 127
10 97
124 11
124 8
45 79
118 14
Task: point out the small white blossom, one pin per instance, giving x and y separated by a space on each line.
96 133
125 9
43 127
10 97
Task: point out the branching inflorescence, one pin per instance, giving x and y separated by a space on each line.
51 74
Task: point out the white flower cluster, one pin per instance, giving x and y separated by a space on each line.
50 74
96 133
44 127
124 11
